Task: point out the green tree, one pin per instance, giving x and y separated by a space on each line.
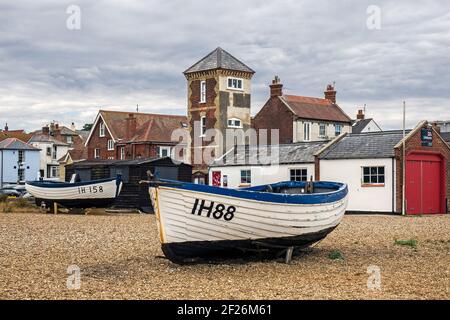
87 126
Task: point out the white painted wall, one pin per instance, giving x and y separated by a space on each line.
48 160
260 174
298 130
371 199
371 127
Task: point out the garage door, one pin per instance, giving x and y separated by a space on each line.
423 184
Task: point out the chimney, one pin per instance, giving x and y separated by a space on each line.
46 130
72 126
360 115
6 127
276 88
131 125
330 93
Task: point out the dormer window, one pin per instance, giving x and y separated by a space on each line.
102 129
202 91
234 123
235 84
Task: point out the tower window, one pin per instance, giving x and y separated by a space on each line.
235 83
202 126
234 123
203 91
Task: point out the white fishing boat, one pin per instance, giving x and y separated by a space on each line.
85 194
198 221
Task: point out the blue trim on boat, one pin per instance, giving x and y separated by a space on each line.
259 193
55 184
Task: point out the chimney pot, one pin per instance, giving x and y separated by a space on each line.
6 127
330 93
360 115
276 88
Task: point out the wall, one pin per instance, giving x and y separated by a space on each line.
274 115
315 130
100 142
371 127
371 199
260 174
10 158
46 160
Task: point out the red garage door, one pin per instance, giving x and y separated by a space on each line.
424 181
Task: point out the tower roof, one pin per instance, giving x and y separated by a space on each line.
219 59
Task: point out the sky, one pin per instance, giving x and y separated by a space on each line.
58 65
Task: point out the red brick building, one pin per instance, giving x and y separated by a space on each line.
302 119
131 135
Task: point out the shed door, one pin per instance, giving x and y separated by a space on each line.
423 184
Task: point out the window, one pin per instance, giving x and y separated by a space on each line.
21 175
55 151
234 123
97 153
110 144
203 91
53 172
337 129
49 151
246 177
322 130
307 131
164 151
69 139
122 153
299 174
102 129
21 157
202 126
373 175
235 83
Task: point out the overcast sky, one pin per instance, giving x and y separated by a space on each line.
134 52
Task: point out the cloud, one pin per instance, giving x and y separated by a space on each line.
134 52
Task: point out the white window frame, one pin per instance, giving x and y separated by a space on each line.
203 91
233 123
168 149
238 80
69 139
97 153
324 127
122 153
202 126
337 125
55 173
295 175
377 175
249 177
54 153
102 129
306 131
110 145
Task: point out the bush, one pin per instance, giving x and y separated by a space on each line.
410 243
334 255
7 209
3 198
21 203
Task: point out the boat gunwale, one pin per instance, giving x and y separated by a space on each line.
252 193
56 184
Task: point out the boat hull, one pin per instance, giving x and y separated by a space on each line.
190 226
97 193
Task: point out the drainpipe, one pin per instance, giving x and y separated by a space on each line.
403 162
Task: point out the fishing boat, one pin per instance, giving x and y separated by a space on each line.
199 221
82 194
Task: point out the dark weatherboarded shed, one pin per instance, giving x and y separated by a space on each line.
133 194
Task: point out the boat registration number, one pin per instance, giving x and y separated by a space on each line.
213 210
90 189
